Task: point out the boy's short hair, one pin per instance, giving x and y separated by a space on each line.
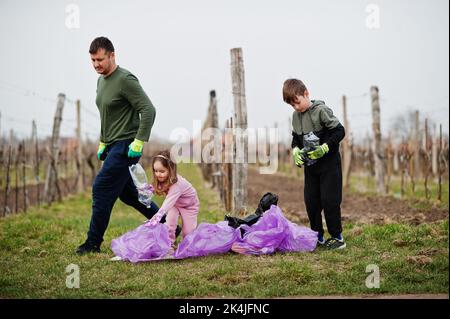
101 43
292 88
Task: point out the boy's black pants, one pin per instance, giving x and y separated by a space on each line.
323 190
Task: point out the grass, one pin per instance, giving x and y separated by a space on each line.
36 248
30 176
365 185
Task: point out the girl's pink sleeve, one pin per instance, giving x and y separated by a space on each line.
171 198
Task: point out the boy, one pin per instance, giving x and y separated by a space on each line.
323 174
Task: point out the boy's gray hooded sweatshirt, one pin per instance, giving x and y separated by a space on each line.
318 118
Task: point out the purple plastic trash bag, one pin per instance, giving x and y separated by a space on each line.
298 239
144 243
265 235
273 232
207 239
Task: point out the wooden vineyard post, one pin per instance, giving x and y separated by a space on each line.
16 171
434 152
24 179
240 165
227 166
216 176
426 160
403 167
6 209
36 162
51 182
416 148
439 164
79 160
378 156
347 151
389 166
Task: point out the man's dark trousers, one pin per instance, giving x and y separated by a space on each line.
112 182
323 190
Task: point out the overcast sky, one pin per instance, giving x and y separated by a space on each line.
180 50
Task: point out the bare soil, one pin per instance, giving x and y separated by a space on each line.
355 207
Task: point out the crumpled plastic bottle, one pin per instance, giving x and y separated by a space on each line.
145 190
310 142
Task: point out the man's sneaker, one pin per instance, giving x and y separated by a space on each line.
116 258
335 243
88 247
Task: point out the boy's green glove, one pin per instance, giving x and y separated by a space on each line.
299 156
101 149
135 148
319 151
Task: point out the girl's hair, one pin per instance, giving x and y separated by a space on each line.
164 158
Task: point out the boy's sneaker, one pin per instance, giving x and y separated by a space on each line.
88 247
320 240
335 243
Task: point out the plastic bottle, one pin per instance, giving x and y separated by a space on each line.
145 190
310 142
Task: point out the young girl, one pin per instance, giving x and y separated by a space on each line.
181 198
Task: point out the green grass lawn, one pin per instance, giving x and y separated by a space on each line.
362 184
30 176
36 248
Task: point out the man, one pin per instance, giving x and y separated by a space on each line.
127 116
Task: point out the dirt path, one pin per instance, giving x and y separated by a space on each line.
355 208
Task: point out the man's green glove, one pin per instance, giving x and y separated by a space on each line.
299 156
135 148
319 151
101 149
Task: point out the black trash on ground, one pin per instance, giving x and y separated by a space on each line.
265 202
